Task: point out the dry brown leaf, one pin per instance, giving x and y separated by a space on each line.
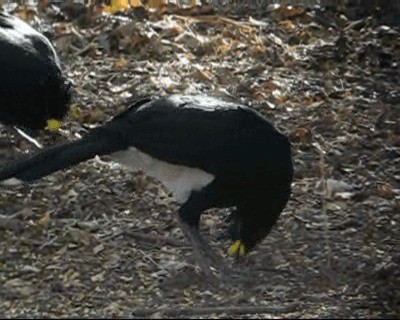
260 96
257 49
26 13
329 118
120 63
202 75
265 89
95 115
136 3
43 5
44 220
309 100
157 4
288 25
117 5
301 135
290 12
385 190
222 49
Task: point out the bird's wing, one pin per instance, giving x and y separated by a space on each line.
196 132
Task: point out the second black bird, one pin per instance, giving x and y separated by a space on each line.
33 88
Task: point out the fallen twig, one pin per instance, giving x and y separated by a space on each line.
155 239
237 310
217 20
324 196
26 136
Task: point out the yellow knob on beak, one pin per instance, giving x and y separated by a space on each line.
53 125
237 248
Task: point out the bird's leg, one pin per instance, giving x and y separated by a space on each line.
209 251
202 250
193 234
189 214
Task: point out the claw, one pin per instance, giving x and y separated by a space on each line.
237 248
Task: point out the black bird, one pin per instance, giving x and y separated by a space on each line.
33 88
208 152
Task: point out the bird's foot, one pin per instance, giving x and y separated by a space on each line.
206 258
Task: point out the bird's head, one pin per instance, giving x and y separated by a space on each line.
246 234
58 104
250 225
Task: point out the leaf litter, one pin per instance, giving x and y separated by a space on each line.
97 241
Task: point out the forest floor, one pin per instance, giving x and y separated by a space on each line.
99 241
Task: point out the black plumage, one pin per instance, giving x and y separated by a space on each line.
233 157
33 88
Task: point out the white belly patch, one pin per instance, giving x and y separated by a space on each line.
180 180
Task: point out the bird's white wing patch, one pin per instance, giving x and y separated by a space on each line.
11 182
181 180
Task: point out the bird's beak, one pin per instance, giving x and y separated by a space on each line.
53 125
237 248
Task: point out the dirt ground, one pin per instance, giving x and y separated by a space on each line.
98 241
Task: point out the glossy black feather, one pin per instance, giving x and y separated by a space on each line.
201 132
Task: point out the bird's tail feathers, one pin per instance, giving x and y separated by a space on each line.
98 142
